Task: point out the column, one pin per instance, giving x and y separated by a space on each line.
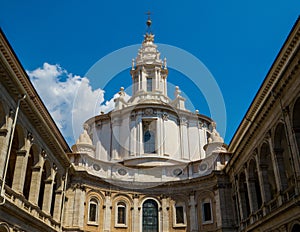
184 139
115 138
107 212
165 214
283 184
4 140
57 205
158 136
143 80
251 192
193 214
35 184
264 185
47 195
20 171
140 143
242 202
133 141
165 86
155 80
135 216
291 137
163 134
159 85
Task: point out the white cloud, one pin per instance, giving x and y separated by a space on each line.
69 98
109 105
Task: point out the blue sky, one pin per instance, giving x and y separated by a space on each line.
236 40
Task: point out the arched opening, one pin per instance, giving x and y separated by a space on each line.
46 171
56 187
30 163
121 213
206 211
93 211
150 216
282 153
268 176
254 186
296 228
296 122
149 84
4 227
17 143
244 197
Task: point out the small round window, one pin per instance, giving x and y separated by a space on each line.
203 167
96 167
122 172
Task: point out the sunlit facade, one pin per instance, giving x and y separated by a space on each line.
151 164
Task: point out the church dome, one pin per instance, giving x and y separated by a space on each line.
150 131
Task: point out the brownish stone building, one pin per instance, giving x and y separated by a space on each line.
251 185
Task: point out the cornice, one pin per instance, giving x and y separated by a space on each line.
141 106
32 106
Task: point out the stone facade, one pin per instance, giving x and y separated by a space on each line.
150 164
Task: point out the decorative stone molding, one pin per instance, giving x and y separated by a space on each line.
165 116
135 196
149 112
44 154
21 152
30 137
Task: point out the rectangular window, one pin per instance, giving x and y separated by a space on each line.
121 215
179 215
149 84
207 212
149 129
93 212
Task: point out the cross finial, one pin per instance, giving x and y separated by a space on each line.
148 13
149 22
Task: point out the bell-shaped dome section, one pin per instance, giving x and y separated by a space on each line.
149 73
148 53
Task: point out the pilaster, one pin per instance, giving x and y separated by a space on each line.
35 184
116 138
184 138
20 171
4 141
135 216
107 212
158 136
193 214
165 214
57 205
140 143
47 195
78 213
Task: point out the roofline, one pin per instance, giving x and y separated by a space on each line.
33 99
272 77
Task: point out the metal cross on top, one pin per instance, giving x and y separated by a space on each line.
149 22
